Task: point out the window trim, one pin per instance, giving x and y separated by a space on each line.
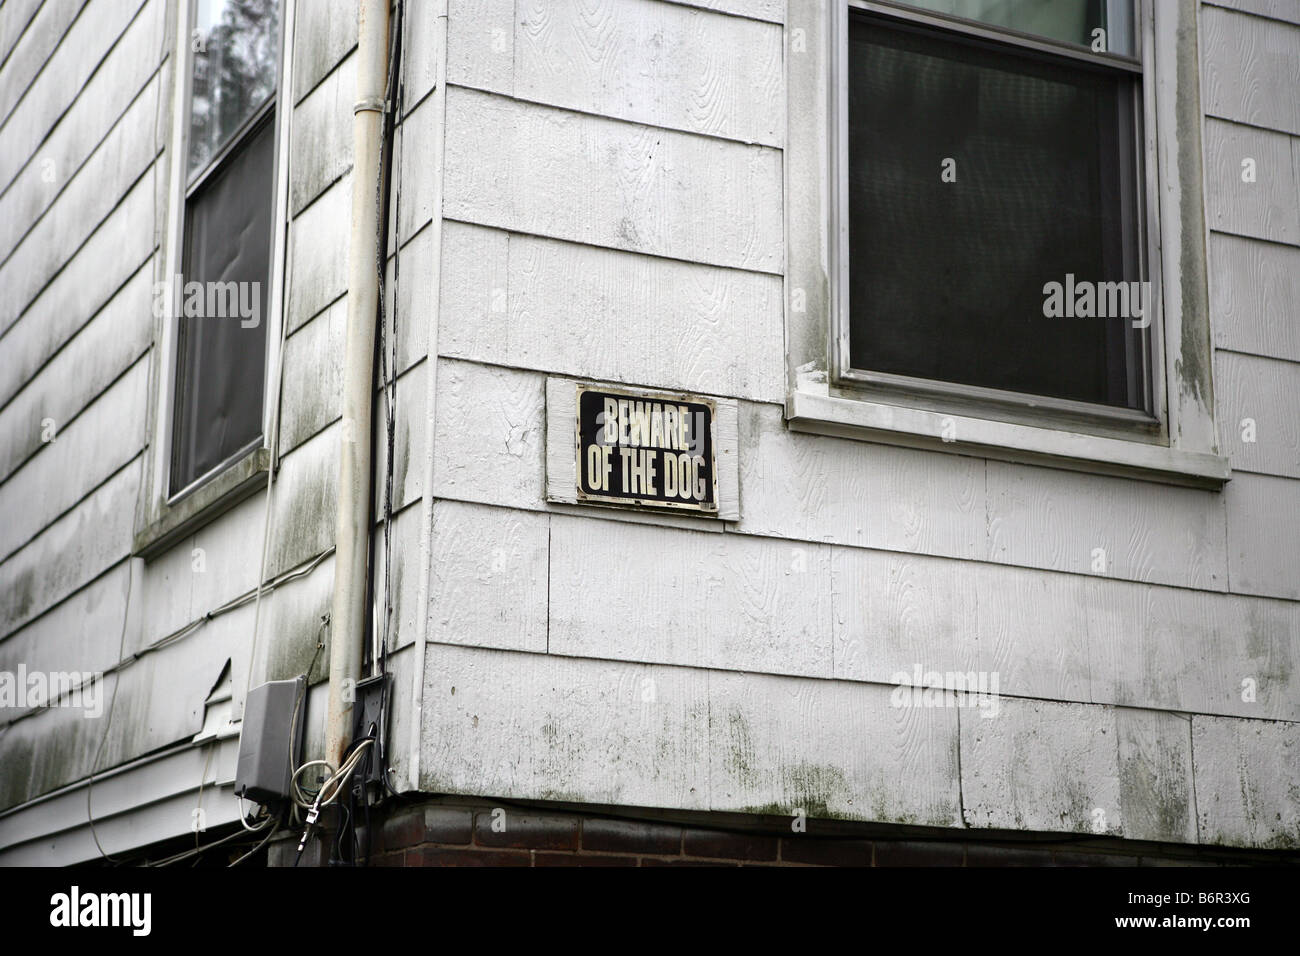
1175 443
165 515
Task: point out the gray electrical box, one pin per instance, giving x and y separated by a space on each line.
265 764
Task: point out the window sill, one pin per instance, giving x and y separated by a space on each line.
171 523
809 411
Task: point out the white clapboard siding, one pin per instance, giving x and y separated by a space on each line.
895 613
70 635
653 62
1184 650
412 196
1046 518
1259 413
124 156
312 384
304 501
857 493
325 31
661 595
1264 535
15 17
205 570
521 725
1252 69
1245 781
604 182
71 552
1156 780
780 745
1254 287
409 537
103 438
82 368
129 81
1064 636
85 47
489 577
417 302
481 44
544 727
419 55
318 253
91 278
320 143
772 11
574 309
1276 9
1265 208
490 436
1041 765
40 37
410 433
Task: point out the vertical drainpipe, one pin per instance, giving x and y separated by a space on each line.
351 531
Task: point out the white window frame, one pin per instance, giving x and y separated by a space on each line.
166 515
1175 442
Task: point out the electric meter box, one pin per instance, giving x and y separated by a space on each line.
264 766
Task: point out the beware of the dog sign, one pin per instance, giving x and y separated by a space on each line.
651 450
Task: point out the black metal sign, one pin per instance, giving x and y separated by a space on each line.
646 449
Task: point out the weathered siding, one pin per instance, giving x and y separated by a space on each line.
86 100
613 212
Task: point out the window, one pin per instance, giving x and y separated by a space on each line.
221 340
984 167
996 232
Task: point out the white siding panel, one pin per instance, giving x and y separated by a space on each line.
1265 208
1045 518
491 435
857 493
588 179
1264 535
103 438
87 363
326 32
318 252
656 63
534 726
489 577
320 146
777 745
657 595
71 552
1259 413
575 309
1041 765
81 53
1251 68
481 44
1253 285
1245 781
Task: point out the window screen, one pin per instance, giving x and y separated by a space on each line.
947 278
222 358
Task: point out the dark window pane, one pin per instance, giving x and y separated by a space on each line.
221 359
1070 21
235 52
946 279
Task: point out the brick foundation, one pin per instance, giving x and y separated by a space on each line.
460 832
